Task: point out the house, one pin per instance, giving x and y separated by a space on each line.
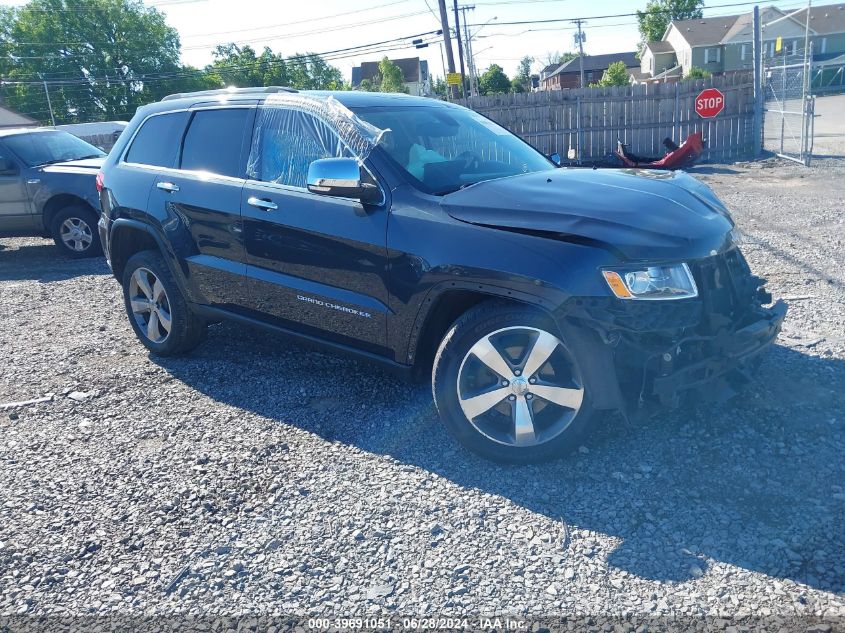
414 72
13 118
724 44
568 74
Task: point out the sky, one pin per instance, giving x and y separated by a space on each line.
321 26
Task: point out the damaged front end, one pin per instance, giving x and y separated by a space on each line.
666 352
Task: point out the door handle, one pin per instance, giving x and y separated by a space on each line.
167 186
262 203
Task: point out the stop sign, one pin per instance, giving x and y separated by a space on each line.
709 103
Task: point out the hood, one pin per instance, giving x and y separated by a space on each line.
640 214
84 166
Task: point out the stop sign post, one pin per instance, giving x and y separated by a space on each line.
709 103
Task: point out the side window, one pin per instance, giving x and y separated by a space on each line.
157 142
286 142
214 141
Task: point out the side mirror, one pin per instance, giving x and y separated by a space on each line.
340 177
7 167
556 159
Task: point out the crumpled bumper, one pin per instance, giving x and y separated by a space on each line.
725 353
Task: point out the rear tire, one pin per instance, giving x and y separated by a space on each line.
508 387
157 310
74 230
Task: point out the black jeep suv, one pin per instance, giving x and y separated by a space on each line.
423 235
47 188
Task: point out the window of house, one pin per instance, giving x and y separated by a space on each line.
824 45
214 141
794 47
157 142
743 52
712 55
286 142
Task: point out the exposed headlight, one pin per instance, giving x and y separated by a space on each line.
673 281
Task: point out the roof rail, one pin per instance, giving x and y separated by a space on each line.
230 91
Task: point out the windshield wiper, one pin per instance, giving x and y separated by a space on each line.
67 160
446 192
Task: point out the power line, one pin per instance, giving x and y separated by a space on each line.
341 53
614 15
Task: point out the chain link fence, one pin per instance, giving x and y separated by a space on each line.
789 109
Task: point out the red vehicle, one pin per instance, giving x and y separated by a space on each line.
677 157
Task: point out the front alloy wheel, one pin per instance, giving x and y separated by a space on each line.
518 386
74 230
507 385
76 235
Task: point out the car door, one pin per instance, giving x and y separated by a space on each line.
202 195
314 263
15 208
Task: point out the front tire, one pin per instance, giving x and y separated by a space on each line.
508 387
157 310
74 230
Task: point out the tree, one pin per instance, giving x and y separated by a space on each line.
615 75
659 13
522 81
494 81
697 73
312 72
388 79
240 66
439 87
102 58
392 79
556 57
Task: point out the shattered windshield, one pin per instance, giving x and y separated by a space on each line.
445 149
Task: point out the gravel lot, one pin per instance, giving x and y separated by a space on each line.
256 477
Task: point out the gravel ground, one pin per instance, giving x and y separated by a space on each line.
255 477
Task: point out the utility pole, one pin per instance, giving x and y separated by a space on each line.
460 49
757 52
49 105
447 41
443 63
468 49
579 38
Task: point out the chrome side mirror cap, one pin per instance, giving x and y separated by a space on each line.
340 177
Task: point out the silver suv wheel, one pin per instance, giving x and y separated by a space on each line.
519 386
150 305
76 234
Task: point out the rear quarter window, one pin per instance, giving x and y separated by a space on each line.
157 142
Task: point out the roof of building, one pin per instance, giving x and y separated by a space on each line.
705 32
824 19
597 62
13 118
660 47
410 67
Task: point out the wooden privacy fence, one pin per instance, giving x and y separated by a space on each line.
592 119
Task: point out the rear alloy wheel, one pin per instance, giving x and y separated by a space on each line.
157 310
74 230
150 305
517 392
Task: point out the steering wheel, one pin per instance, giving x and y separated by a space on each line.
471 160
